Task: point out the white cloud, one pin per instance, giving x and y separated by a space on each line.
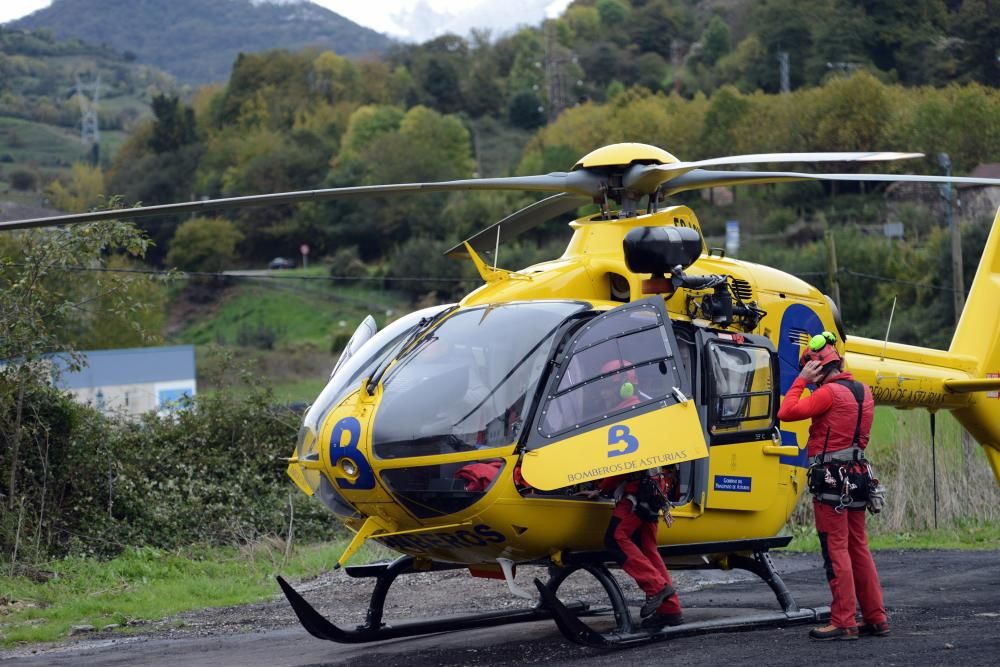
15 9
401 18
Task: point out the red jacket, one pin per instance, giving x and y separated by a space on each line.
608 485
834 413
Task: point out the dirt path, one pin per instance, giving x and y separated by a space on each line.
944 608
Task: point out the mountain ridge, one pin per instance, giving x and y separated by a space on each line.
197 42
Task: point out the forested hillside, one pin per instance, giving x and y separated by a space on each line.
41 81
699 79
197 41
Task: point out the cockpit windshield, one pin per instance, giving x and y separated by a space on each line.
464 385
378 349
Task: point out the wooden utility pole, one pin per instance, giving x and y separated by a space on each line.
832 270
957 279
956 270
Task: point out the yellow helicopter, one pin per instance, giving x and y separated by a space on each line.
461 435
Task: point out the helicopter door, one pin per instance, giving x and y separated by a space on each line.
741 387
619 400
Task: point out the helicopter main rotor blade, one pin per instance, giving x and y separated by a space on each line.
519 222
581 183
646 178
700 179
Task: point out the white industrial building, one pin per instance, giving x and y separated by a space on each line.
133 381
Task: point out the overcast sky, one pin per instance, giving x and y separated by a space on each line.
376 15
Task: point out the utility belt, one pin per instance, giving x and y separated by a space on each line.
846 484
841 455
842 484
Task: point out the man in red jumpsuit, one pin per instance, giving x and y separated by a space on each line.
833 408
631 538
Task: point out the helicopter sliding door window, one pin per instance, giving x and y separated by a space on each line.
741 391
618 400
619 363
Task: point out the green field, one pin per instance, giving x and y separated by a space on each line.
286 332
48 151
293 311
146 584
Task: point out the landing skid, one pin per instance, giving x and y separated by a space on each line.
626 633
375 630
568 617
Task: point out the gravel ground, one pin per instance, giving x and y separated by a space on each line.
944 607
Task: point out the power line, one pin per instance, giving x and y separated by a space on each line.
224 274
265 276
895 280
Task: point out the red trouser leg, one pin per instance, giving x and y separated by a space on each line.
647 543
625 524
866 583
833 538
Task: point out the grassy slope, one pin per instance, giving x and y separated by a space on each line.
45 145
48 150
146 584
298 312
304 318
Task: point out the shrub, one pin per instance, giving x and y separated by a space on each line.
24 180
347 263
210 473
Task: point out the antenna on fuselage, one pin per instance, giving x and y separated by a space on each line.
887 329
496 251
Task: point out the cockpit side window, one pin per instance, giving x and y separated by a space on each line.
618 363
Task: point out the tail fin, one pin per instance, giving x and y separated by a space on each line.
978 336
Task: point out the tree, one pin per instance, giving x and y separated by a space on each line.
652 71
655 25
978 25
784 26
383 146
612 12
44 306
725 113
174 125
335 77
854 114
204 244
365 125
526 111
714 41
84 190
22 179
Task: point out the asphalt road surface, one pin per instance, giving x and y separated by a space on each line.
944 608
